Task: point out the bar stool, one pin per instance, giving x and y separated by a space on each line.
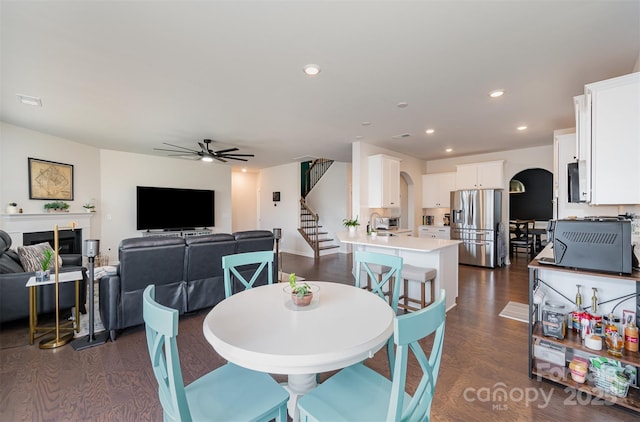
423 275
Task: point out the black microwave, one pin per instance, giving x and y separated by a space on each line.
573 183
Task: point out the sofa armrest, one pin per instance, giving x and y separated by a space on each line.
109 298
71 259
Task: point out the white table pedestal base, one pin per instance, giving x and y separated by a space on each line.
298 386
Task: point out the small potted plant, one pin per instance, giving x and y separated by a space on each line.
301 293
89 207
57 206
44 264
352 225
12 208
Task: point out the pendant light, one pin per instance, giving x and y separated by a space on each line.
516 186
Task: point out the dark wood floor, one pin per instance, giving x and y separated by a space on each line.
484 355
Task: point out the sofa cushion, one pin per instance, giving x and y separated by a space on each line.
31 256
8 265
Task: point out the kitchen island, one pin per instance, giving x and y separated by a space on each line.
440 254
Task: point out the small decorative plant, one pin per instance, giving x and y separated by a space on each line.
57 205
351 223
299 290
13 204
301 294
46 259
89 207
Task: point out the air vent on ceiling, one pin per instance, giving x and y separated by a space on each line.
402 135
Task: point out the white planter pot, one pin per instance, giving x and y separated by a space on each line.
12 209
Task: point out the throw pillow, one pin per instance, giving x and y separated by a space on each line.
32 256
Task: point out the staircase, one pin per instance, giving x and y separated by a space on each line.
310 227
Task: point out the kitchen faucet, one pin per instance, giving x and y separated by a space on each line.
372 222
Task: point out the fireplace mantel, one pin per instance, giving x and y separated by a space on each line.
17 224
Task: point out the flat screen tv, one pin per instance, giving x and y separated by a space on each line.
174 209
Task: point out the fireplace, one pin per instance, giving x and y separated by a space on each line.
69 241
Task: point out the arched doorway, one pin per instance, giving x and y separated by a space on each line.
536 202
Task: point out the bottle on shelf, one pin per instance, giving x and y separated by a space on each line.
577 313
596 319
631 336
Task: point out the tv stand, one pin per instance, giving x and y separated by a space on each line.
178 233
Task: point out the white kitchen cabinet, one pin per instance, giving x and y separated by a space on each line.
565 153
486 175
436 189
434 232
384 181
613 107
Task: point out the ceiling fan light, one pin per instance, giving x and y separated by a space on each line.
207 159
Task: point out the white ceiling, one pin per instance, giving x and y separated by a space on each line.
131 75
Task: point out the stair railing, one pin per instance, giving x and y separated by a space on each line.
315 172
309 226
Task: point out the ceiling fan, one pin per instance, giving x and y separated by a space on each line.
206 153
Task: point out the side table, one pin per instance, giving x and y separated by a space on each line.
57 341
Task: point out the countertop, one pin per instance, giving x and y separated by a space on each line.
408 243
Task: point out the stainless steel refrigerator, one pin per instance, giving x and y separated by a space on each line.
475 220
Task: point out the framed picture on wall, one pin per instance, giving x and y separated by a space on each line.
50 180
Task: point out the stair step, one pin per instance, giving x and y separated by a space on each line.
322 248
325 240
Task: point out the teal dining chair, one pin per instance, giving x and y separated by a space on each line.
226 393
230 264
358 393
380 269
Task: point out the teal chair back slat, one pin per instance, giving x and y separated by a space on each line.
230 264
364 260
409 329
162 329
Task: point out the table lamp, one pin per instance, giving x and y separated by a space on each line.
90 249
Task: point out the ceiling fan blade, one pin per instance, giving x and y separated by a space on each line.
234 158
237 155
219 159
224 151
173 150
204 148
178 146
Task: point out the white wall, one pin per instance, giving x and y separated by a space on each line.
18 144
244 201
284 214
329 200
123 171
109 177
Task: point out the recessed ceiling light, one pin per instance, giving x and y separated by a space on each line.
522 127
496 93
244 169
448 149
29 100
207 159
429 131
402 104
311 69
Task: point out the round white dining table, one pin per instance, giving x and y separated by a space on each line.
260 329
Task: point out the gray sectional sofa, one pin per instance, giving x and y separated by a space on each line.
187 273
14 296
